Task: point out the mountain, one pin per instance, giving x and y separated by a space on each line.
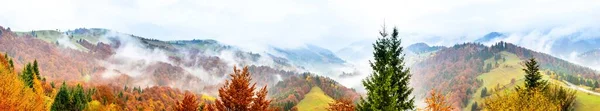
490 36
419 48
357 51
460 70
101 56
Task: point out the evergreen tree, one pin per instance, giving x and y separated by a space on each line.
79 99
596 85
12 65
387 87
35 69
27 76
62 100
533 78
483 92
474 107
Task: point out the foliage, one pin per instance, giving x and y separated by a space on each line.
289 92
341 105
437 102
189 103
238 95
387 87
16 95
533 78
73 99
538 95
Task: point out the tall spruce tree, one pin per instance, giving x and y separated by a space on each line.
27 75
35 69
62 100
387 87
533 78
79 99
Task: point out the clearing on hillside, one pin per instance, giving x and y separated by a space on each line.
315 100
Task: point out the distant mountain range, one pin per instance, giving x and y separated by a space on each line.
107 56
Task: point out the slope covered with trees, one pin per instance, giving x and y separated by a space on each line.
455 69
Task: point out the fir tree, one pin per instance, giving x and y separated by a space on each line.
62 99
387 87
533 78
474 107
27 76
35 69
79 99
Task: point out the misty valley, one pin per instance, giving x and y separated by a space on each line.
289 55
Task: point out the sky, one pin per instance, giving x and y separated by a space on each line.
332 24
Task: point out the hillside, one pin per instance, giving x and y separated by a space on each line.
461 70
289 92
107 56
315 100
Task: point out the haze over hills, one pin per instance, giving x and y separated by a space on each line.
149 62
108 57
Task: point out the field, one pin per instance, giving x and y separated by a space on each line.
315 100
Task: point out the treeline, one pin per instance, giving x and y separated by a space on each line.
577 80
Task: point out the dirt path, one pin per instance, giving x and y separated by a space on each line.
572 86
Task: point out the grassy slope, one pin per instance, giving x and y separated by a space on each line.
510 69
315 100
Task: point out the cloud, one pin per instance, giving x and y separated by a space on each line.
288 23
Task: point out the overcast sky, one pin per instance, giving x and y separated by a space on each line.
332 24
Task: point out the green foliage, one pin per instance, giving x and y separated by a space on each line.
35 69
533 78
483 92
387 88
62 100
74 99
474 107
79 97
27 76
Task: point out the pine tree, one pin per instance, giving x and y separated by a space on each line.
474 107
533 78
35 69
596 85
387 87
483 92
27 76
79 99
62 99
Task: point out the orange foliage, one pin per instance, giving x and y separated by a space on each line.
238 95
341 105
189 103
437 102
15 95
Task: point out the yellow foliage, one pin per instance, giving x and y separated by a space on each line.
520 101
15 95
94 105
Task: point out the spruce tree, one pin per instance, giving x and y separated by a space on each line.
79 99
533 78
62 100
387 87
27 76
35 69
